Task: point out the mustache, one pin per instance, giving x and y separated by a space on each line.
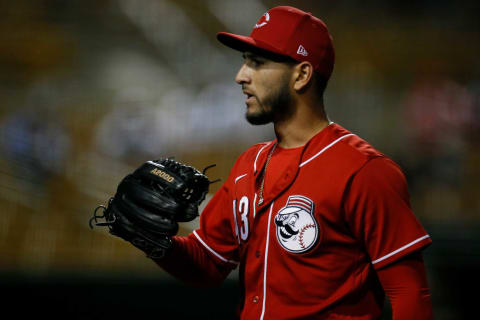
290 229
289 232
286 234
247 90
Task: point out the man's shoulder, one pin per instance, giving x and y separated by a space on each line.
353 145
340 148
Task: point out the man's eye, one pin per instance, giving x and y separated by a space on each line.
258 62
255 63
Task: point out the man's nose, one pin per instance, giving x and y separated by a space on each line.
242 76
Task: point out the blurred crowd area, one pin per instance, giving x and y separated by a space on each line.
92 89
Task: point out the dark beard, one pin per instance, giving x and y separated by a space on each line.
280 102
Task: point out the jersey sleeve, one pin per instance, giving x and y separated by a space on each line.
378 211
216 233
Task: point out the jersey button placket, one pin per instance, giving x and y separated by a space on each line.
256 299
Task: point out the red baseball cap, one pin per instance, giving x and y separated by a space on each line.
290 32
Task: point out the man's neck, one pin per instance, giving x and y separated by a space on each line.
300 128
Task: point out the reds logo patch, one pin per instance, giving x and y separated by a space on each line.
297 230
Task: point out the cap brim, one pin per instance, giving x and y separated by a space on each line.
289 210
244 43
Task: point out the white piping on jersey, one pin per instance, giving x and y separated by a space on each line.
325 149
235 220
211 250
258 154
265 263
240 177
254 205
401 249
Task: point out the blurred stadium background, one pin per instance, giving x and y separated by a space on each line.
91 89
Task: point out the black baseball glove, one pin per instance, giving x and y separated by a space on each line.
151 201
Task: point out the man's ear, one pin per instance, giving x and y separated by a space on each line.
302 74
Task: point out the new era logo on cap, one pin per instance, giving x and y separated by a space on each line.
301 50
288 31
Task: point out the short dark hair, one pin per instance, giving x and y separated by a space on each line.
319 81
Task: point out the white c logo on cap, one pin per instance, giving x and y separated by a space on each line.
264 21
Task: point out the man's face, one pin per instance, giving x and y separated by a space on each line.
267 86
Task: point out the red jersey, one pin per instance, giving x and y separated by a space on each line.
338 210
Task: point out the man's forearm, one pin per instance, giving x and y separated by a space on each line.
189 262
405 284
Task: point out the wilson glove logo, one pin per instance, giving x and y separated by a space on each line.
297 230
162 174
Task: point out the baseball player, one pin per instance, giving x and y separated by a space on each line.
317 220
